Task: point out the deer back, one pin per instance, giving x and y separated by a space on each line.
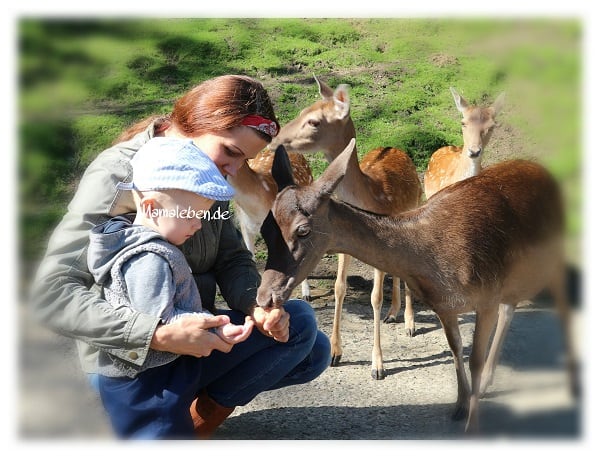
487 221
393 180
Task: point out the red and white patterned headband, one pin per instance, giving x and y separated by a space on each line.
261 124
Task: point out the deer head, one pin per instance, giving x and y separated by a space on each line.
477 124
297 213
323 126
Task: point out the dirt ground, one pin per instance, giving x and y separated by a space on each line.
529 399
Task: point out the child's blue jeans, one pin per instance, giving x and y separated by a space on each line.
155 404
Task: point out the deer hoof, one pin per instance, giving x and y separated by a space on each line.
378 374
411 332
335 360
390 319
460 413
307 298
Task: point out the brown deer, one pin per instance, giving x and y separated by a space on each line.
256 191
384 182
450 164
493 238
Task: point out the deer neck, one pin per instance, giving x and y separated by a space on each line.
469 166
398 246
253 193
336 136
371 238
356 187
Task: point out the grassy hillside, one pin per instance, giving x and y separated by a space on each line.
83 81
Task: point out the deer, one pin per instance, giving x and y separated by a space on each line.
384 182
255 193
450 164
493 238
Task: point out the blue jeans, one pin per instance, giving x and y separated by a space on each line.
155 404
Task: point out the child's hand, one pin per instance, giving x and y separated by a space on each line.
233 334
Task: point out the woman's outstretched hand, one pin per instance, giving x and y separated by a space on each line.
272 322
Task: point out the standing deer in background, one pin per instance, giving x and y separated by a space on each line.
450 164
384 182
255 191
493 238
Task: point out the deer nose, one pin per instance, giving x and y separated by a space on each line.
474 151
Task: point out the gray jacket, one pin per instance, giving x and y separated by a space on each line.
64 296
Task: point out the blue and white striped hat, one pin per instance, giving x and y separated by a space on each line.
174 163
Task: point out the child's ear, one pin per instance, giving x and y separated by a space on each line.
147 204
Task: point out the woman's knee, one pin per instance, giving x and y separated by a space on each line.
321 353
303 322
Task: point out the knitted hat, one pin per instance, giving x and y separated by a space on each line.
174 163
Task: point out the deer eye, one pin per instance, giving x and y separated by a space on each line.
314 122
303 230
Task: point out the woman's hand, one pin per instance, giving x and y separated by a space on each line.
272 322
191 335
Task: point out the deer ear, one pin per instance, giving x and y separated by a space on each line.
341 98
461 104
325 91
333 174
282 169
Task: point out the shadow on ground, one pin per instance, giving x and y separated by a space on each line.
425 422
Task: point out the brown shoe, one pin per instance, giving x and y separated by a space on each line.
207 415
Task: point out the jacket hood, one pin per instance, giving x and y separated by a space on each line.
109 240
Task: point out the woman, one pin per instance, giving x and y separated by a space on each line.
231 119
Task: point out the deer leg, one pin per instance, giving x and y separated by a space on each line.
450 325
377 371
306 291
248 235
505 316
340 294
485 320
558 289
396 302
249 239
409 312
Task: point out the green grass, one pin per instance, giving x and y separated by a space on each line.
82 81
